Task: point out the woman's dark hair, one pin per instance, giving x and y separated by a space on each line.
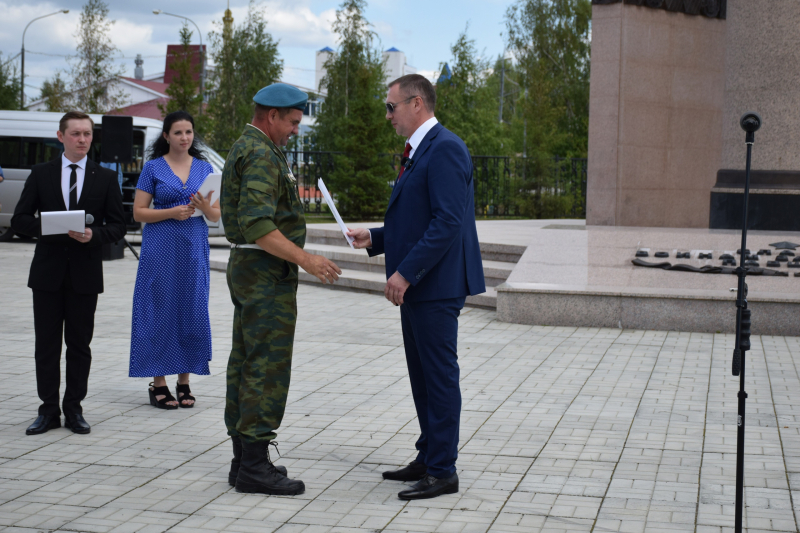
160 146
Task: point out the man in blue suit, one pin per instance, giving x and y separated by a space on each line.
433 262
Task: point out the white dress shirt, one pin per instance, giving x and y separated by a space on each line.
420 134
65 173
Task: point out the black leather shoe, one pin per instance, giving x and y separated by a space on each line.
413 472
43 423
77 424
236 462
430 487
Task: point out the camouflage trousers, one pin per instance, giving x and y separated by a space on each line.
264 294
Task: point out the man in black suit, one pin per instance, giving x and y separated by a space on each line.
67 270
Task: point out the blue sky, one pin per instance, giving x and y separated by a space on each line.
424 30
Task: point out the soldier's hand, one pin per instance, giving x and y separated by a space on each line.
361 236
182 212
323 268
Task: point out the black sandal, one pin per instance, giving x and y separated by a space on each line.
162 403
183 388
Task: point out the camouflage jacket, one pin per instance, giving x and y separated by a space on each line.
259 192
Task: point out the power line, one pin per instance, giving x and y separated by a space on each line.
12 59
132 57
75 55
46 54
143 57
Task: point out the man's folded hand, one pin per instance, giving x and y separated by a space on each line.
395 288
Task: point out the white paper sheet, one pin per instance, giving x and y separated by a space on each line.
213 183
332 206
60 222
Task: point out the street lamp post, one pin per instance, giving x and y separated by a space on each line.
202 53
22 54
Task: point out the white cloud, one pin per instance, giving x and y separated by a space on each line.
300 27
56 30
292 24
129 36
386 33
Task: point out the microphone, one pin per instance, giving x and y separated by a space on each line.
750 122
89 219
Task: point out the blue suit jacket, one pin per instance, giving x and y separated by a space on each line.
429 233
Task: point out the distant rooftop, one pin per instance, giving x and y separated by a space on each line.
393 49
446 74
327 49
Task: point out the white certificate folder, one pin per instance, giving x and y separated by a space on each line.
332 207
60 222
213 182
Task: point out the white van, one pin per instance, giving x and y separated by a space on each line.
28 138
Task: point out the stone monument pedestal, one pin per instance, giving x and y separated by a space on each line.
669 81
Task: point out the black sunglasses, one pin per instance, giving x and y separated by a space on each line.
390 107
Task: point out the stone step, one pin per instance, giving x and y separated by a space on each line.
367 274
359 280
505 253
495 272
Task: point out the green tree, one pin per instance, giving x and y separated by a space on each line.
93 71
9 84
183 91
246 59
55 94
467 103
352 121
550 40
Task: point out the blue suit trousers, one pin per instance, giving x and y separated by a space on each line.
430 334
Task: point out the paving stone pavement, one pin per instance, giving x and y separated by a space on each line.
563 429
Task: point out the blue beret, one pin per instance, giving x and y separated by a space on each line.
281 95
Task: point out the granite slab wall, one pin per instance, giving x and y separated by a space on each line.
762 74
656 109
651 310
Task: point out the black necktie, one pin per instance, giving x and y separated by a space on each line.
73 188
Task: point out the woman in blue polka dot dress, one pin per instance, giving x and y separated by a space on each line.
171 333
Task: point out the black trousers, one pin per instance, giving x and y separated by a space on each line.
56 314
430 338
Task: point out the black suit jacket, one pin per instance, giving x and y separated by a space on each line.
56 255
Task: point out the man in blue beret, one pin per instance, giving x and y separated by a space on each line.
264 222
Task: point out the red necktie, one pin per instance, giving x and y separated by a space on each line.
406 153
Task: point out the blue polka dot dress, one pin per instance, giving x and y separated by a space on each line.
171 332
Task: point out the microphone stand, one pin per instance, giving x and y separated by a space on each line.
750 122
130 248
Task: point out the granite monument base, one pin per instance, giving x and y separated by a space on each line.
583 276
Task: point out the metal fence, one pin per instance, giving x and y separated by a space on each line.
518 186
308 167
504 186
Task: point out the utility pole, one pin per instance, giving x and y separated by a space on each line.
525 125
502 82
22 73
202 50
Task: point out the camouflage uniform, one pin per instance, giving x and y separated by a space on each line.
259 195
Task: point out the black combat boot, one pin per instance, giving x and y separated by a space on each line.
237 460
258 474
